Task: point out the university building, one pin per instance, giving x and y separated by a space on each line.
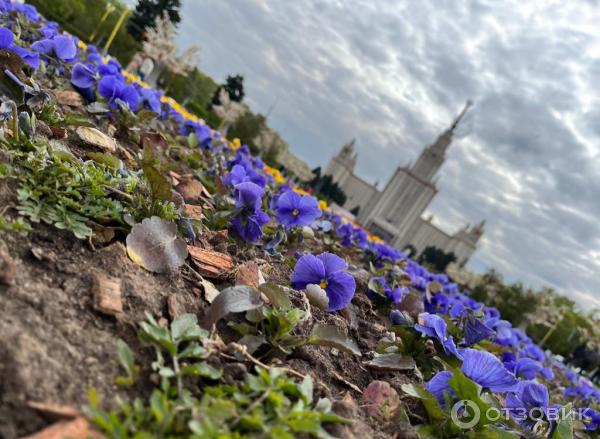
396 212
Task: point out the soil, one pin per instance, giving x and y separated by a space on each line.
54 345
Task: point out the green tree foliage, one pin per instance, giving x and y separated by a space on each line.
83 18
247 128
326 188
513 301
234 86
436 258
146 13
194 91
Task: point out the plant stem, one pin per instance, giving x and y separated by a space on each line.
177 371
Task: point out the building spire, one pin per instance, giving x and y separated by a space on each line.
468 105
432 157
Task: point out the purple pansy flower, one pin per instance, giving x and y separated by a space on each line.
527 396
117 92
236 176
590 419
434 326
327 271
476 331
62 46
438 386
248 195
250 219
83 77
7 41
249 227
295 210
487 371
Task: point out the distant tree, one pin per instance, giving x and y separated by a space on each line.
247 127
328 189
437 258
410 250
146 13
234 86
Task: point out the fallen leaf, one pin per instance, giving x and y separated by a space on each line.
247 274
234 299
332 336
78 428
391 362
209 262
154 245
210 291
54 411
97 138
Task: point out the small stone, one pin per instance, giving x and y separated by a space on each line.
190 189
380 399
173 306
247 274
346 407
193 211
97 138
69 98
8 268
107 294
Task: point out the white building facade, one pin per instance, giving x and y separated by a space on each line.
396 212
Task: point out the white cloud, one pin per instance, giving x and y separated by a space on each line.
393 75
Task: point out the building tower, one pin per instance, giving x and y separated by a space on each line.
397 211
342 165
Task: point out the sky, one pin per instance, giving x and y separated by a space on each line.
393 74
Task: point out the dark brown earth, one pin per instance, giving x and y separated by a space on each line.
54 345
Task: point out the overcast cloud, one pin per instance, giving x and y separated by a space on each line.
393 74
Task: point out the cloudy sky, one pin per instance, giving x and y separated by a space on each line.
394 73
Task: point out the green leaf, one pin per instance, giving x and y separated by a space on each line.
106 159
125 355
204 370
467 389
329 335
564 429
278 296
159 185
77 119
391 362
185 327
430 402
194 350
306 389
193 140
